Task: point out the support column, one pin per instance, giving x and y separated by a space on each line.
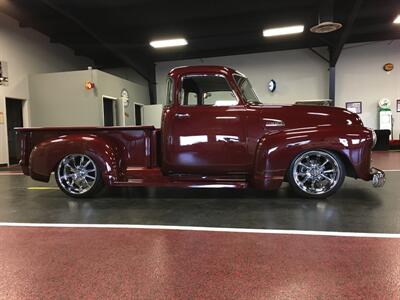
332 84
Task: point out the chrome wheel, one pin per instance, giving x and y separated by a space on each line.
77 174
316 172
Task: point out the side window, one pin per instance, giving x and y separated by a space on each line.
206 90
170 94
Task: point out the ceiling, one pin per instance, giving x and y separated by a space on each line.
117 33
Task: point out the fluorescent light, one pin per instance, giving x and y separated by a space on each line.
397 20
283 30
168 43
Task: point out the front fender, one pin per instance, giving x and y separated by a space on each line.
276 150
45 156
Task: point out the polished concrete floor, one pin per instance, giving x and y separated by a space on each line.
357 207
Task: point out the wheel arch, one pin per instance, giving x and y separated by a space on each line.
274 154
46 156
349 168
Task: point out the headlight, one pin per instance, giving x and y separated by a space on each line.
374 138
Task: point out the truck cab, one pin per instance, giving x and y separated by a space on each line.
204 124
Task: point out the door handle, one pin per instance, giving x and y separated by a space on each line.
182 116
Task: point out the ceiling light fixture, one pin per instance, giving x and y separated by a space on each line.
397 20
283 30
168 43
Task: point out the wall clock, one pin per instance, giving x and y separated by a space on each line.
272 85
388 67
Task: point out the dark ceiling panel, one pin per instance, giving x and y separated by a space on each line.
117 33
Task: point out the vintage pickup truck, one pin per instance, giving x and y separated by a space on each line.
215 133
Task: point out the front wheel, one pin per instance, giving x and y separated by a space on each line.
316 174
78 176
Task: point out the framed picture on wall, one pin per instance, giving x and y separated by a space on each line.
355 107
398 105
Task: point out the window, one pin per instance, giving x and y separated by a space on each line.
246 89
207 90
170 94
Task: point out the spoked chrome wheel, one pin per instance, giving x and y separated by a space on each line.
317 173
77 174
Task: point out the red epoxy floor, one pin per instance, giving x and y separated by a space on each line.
386 160
88 263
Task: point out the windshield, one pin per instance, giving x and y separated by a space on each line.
246 89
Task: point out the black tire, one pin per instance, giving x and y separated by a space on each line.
307 189
67 178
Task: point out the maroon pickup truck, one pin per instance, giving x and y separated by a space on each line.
215 133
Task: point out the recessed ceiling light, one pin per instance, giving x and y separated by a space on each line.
397 20
168 43
283 30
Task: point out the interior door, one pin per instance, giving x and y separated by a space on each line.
138 114
208 130
109 112
14 119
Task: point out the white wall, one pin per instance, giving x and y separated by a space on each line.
111 85
152 115
60 99
360 77
128 74
27 52
299 74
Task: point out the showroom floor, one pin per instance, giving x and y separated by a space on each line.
256 245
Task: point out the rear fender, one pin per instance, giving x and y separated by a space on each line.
45 156
276 150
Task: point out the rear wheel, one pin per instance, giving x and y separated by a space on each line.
316 174
78 176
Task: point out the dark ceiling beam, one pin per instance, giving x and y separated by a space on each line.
373 28
319 55
131 28
238 50
146 71
139 10
230 45
346 32
373 9
373 37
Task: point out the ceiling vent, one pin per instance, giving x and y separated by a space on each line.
326 22
326 27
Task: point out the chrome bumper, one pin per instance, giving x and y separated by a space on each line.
378 177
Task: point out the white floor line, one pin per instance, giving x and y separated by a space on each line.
393 170
208 229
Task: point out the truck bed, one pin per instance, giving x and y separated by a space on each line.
136 146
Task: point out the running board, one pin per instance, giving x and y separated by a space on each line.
180 184
154 177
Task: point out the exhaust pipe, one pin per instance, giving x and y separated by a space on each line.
378 178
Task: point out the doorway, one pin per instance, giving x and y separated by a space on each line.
109 111
138 114
14 114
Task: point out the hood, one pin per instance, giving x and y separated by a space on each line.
294 116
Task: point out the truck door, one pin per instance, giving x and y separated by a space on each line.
207 130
